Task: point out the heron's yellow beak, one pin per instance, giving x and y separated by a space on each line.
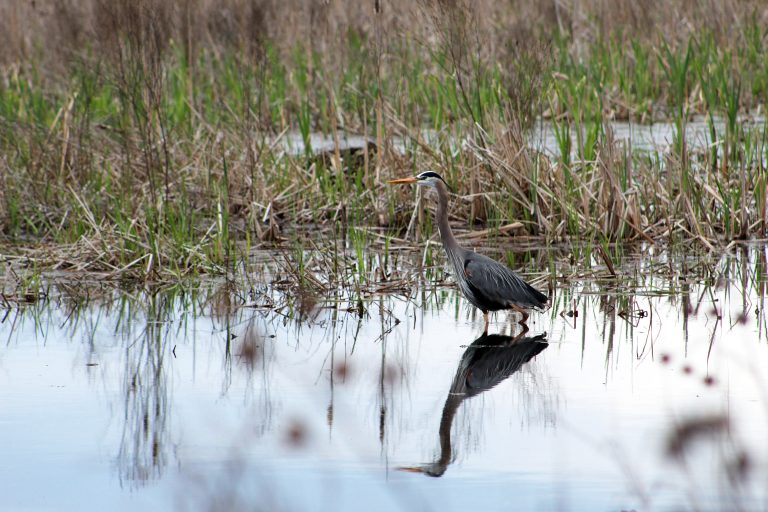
403 181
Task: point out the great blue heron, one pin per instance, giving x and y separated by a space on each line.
489 360
487 284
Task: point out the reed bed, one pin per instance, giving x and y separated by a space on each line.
148 139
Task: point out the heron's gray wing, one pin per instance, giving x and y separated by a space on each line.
496 286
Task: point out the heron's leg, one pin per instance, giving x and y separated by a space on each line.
485 318
523 330
523 312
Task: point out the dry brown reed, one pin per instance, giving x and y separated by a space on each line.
57 30
158 182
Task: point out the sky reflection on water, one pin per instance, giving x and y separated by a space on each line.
189 401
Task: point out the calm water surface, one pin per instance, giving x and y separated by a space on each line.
654 138
652 397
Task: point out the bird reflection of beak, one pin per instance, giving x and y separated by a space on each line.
403 181
411 469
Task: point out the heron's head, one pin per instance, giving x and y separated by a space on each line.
426 178
436 469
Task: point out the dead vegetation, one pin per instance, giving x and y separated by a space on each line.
149 138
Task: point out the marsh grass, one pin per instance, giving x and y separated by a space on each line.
143 140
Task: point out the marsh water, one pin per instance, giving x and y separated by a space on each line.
653 138
646 391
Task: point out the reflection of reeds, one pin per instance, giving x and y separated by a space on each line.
687 282
143 453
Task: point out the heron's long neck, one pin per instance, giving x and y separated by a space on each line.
446 421
449 241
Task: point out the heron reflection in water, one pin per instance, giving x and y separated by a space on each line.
489 360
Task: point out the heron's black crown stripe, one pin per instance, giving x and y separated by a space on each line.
430 174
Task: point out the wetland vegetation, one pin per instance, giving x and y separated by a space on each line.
195 224
148 139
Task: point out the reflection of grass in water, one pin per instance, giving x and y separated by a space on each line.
686 280
144 449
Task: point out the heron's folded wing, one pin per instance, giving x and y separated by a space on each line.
498 286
